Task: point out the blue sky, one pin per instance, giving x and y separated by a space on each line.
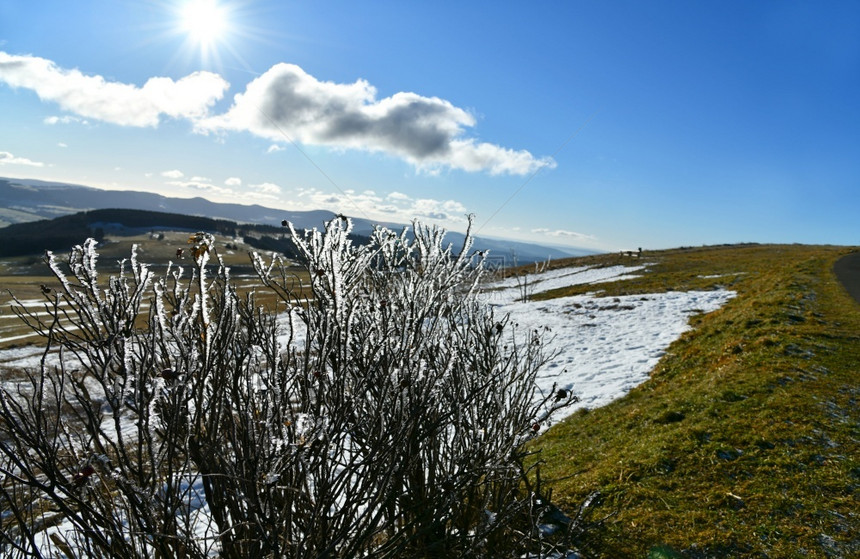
605 125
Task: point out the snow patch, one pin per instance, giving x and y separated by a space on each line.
603 346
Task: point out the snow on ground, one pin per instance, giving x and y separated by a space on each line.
199 518
604 346
510 289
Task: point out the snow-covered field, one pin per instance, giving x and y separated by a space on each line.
604 346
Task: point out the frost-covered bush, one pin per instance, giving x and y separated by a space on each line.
383 414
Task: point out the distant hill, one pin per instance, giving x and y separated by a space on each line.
61 233
31 200
26 200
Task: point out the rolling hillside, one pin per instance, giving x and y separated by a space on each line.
745 442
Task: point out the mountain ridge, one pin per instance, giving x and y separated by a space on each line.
23 200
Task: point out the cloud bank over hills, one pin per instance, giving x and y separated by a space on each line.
24 200
285 104
7 158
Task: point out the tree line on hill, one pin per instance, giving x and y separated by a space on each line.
62 233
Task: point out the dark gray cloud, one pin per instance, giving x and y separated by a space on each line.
416 128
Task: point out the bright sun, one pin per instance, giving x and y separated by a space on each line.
204 20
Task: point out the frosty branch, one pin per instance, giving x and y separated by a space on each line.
383 415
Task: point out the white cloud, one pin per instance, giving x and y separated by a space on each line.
91 96
394 206
563 233
233 181
472 156
203 184
62 145
448 210
7 158
265 188
173 174
428 132
285 103
67 119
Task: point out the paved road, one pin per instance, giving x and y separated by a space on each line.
847 271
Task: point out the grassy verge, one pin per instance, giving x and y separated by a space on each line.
746 440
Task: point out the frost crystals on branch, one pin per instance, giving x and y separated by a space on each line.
392 424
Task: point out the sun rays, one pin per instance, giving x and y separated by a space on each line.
205 21
210 28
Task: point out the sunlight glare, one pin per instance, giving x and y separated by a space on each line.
204 20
